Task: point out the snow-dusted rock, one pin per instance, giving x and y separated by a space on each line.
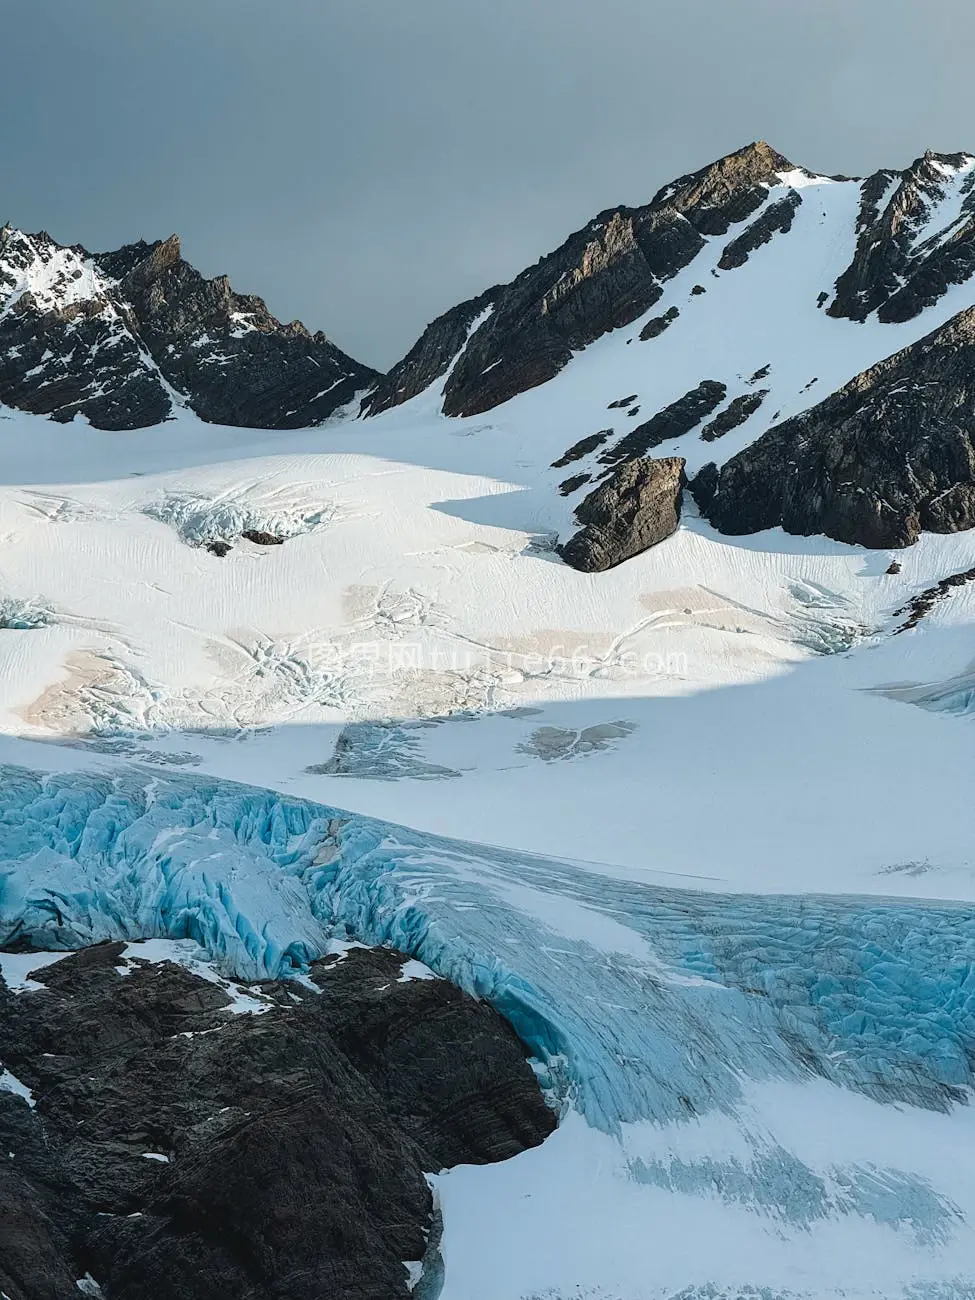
124 338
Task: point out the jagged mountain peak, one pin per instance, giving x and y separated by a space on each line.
747 299
753 164
603 276
123 337
911 236
915 237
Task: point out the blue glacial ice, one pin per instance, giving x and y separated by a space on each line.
23 615
955 695
199 520
640 1002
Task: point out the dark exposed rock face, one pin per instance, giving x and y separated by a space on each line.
775 219
673 421
573 484
703 486
901 265
885 457
603 277
736 413
633 510
113 337
582 448
727 191
296 1140
922 604
657 324
430 356
260 538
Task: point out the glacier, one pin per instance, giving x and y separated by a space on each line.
663 1024
640 1002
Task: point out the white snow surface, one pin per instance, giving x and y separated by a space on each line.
674 820
9 1083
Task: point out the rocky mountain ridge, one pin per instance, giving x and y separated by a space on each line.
603 277
608 274
704 282
889 455
124 338
868 474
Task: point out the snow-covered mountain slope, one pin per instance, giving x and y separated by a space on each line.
698 825
884 249
125 338
741 297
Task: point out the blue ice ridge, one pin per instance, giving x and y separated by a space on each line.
642 1002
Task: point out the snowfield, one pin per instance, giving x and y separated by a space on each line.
413 650
699 826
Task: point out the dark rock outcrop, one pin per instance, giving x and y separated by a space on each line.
775 219
657 324
633 510
736 413
603 277
901 265
573 484
120 336
703 486
582 448
921 605
261 538
673 421
430 356
887 456
179 1152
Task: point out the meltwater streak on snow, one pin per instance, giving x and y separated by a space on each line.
640 1002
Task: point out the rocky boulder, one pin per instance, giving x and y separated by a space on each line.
637 507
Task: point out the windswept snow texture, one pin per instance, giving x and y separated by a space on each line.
641 1004
955 696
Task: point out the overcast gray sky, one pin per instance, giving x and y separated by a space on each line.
365 164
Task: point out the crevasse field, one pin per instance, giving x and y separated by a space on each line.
699 826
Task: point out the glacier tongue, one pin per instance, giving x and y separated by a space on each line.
644 1003
732 1054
